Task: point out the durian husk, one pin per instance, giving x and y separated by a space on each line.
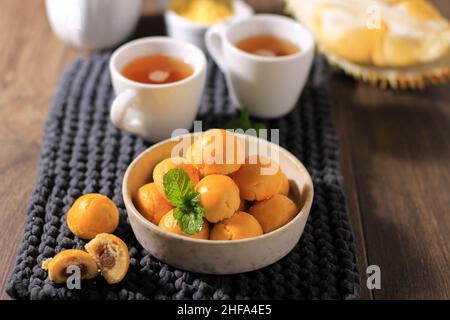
405 78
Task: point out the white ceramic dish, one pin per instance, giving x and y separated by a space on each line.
181 28
93 24
217 257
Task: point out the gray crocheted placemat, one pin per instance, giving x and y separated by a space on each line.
83 152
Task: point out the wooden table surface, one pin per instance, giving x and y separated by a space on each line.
395 155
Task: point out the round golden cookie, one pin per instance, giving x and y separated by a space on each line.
151 203
111 255
258 178
219 196
284 187
170 163
240 225
169 224
274 213
92 214
59 270
217 151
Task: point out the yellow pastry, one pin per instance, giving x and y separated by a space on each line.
92 214
219 196
151 203
217 151
240 225
259 178
111 255
58 266
169 224
170 163
274 213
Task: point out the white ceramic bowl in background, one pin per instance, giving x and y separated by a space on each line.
181 28
93 24
217 257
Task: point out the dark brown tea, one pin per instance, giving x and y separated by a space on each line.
157 69
267 45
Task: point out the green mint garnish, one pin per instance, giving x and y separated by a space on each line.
177 186
180 192
190 220
243 122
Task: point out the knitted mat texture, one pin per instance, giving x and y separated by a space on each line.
84 152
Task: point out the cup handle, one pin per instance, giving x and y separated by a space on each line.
214 43
120 113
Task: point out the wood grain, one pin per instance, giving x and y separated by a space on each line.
400 154
395 154
30 64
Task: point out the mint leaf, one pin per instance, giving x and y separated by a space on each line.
177 186
190 220
194 199
243 122
180 192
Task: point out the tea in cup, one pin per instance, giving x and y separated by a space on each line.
266 60
158 83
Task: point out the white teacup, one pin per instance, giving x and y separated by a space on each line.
268 86
153 111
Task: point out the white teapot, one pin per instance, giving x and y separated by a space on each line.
93 24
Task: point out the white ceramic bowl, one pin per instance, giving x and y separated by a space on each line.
224 256
183 29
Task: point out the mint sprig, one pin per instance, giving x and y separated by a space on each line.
243 122
180 192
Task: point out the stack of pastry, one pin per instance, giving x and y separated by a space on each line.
397 43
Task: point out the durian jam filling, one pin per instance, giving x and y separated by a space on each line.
107 255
